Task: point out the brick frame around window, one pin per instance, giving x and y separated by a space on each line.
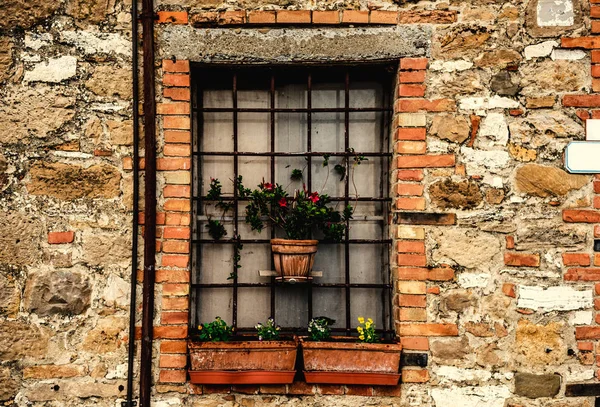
416 282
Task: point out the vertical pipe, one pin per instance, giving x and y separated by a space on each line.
235 194
135 209
149 203
309 176
346 196
272 163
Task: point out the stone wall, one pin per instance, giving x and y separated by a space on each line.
495 273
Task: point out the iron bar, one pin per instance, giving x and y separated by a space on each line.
317 285
264 241
346 201
235 198
291 110
290 154
272 163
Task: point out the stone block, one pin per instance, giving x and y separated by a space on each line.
535 386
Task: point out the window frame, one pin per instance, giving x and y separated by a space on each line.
199 70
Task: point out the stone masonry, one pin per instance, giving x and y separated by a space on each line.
496 263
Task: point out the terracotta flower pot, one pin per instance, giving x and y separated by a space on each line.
294 259
243 362
345 361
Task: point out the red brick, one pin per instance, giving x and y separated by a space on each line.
383 17
414 343
597 260
585 346
581 215
595 12
410 147
175 303
415 376
418 260
412 273
232 17
433 290
413 301
522 259
176 122
356 390
216 389
410 204
175 260
426 161
597 202
176 191
355 17
177 80
175 246
414 63
179 66
204 18
596 71
595 27
172 276
301 388
172 17
172 376
576 259
597 304
411 246
173 347
409 189
176 233
411 133
427 17
581 100
245 389
411 90
172 136
330 389
178 219
102 153
581 42
428 329
387 391
597 231
273 389
441 274
261 17
412 314
516 112
177 205
61 237
510 242
177 150
170 332
177 93
173 361
410 175
412 77
173 164
587 332
293 17
174 318
509 290
416 105
595 57
180 108
579 274
326 17
597 187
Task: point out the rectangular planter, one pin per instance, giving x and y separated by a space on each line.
243 362
344 361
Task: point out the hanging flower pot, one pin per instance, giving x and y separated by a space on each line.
294 259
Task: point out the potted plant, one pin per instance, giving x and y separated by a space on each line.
365 359
219 357
297 216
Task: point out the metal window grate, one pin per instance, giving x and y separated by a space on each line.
229 79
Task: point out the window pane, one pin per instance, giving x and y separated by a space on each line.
254 305
290 132
255 257
331 303
331 261
368 303
213 302
217 132
291 306
291 96
367 264
216 262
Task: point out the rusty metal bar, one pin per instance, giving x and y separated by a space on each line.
286 154
292 110
346 200
149 203
235 196
272 163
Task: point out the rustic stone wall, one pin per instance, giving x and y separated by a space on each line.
495 271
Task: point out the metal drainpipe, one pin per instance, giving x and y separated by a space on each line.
149 203
136 195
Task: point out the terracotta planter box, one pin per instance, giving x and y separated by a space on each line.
243 362
347 362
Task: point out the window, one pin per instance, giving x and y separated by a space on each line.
261 123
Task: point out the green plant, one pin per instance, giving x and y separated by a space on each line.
366 331
319 328
215 331
269 331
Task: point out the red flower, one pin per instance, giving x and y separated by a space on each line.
314 197
268 186
283 203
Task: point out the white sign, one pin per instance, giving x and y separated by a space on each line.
583 157
592 129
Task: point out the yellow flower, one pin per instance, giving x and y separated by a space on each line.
368 325
361 320
362 337
359 329
200 327
370 321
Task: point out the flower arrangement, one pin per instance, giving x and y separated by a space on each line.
269 331
215 331
319 328
366 331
